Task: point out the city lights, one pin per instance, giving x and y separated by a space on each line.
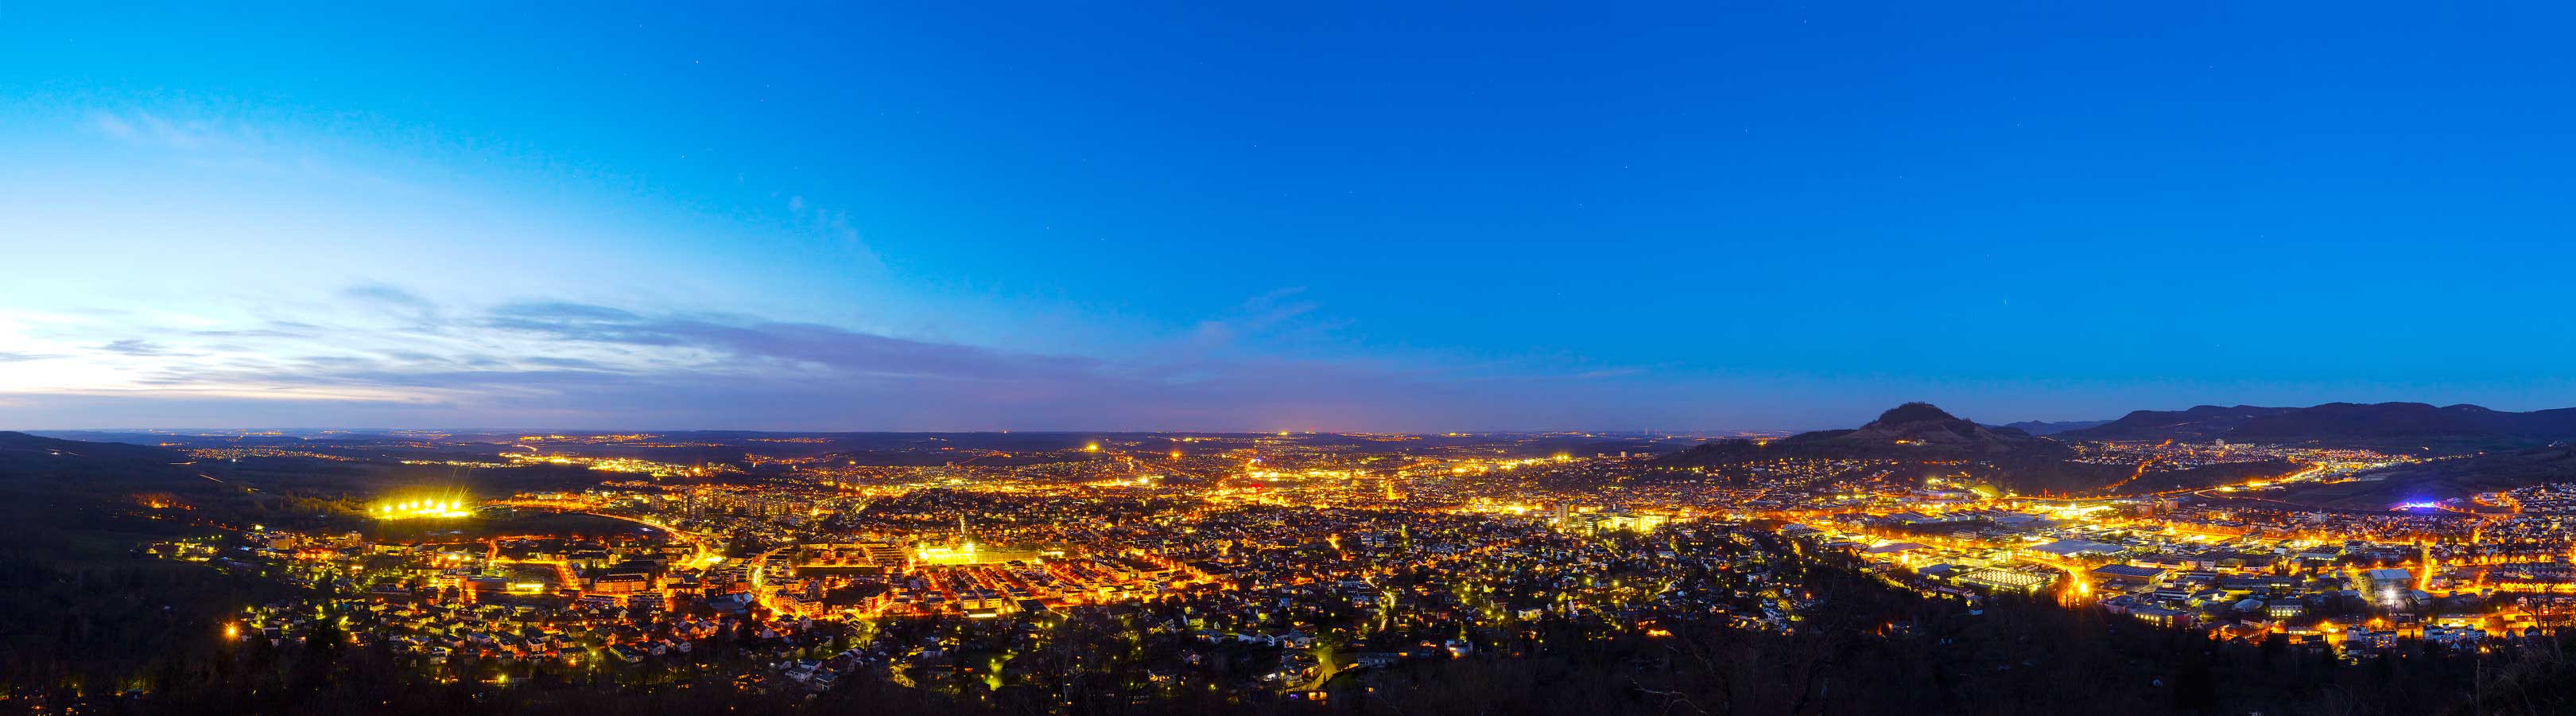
1422 547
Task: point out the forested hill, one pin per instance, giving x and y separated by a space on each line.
2454 428
1946 445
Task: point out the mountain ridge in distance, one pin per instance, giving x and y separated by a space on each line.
1925 439
2453 428
2044 428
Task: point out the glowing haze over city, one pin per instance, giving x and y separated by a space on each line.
1351 358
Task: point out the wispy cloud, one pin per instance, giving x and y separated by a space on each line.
577 364
198 135
835 225
393 298
139 348
270 147
151 129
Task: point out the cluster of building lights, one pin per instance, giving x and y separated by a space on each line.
412 509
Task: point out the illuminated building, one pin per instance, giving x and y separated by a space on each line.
960 553
2003 580
414 508
2127 574
961 550
2385 587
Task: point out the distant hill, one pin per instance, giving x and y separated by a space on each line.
1942 444
67 500
1906 432
2456 428
2036 427
1914 429
29 459
2202 423
50 477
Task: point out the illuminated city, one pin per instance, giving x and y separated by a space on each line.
1292 359
1310 568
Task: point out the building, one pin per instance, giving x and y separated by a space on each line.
2004 580
2386 587
2072 548
2125 574
1903 552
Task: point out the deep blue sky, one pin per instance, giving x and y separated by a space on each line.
1047 215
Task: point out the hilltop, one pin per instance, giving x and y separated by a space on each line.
1913 429
1906 432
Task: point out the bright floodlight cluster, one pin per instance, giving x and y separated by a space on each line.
420 508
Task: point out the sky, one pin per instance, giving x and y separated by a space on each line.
1311 216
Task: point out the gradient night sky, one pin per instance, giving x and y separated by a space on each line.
1047 215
